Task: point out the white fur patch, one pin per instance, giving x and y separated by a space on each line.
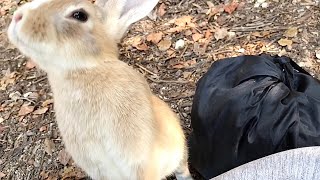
70 9
37 3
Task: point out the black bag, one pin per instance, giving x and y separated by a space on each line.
249 107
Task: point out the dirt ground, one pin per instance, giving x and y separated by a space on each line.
173 47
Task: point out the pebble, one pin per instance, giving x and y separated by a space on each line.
29 133
261 3
179 44
185 115
264 5
318 54
15 96
241 50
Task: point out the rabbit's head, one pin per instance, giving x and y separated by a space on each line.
70 34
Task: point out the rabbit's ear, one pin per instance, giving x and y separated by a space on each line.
122 13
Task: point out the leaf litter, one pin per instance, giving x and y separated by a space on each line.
173 50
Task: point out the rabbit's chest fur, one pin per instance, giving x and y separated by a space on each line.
105 118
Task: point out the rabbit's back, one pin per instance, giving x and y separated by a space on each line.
170 142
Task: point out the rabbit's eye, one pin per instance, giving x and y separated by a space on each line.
80 15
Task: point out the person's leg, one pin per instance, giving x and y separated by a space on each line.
296 164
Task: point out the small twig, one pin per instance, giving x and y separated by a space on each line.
5 60
27 99
309 4
303 18
273 41
221 52
272 51
167 81
31 77
252 26
9 59
168 58
259 19
182 97
145 69
39 80
184 51
42 158
186 104
250 29
50 132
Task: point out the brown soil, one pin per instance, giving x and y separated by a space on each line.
30 145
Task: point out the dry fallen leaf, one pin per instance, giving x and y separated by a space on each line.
285 42
135 41
183 21
2 174
176 29
291 32
63 157
196 37
32 95
25 109
200 48
213 10
184 64
2 128
47 102
48 146
210 4
162 10
41 111
188 33
164 45
43 128
72 173
155 37
282 52
9 78
52 178
241 5
220 33
142 47
231 35
44 174
266 33
186 74
230 7
307 63
138 43
257 34
30 64
208 34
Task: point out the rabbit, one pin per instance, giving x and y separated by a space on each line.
111 123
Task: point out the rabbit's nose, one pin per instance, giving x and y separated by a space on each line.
17 17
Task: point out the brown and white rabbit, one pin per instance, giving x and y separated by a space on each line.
111 123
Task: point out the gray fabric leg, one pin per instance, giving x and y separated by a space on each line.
296 164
